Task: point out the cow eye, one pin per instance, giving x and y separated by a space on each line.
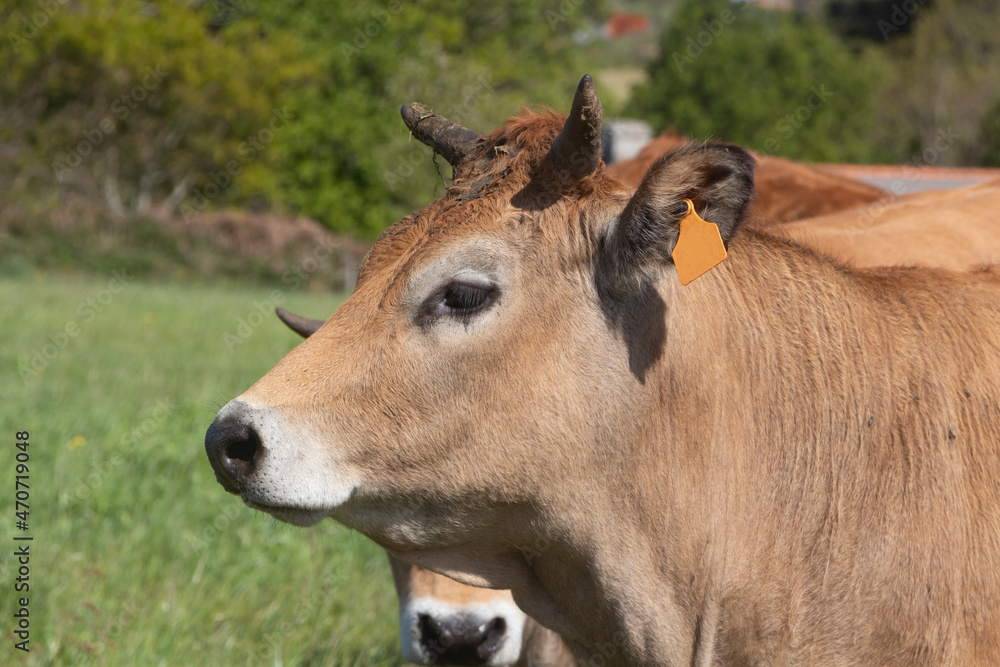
461 300
466 298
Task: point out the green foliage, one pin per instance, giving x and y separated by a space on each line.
945 84
139 105
991 136
154 109
774 81
349 161
159 108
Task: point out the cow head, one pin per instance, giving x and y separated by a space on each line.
444 622
472 394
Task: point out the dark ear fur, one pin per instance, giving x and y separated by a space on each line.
717 177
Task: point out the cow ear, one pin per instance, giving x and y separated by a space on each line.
716 177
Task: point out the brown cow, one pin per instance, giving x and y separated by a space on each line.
442 621
786 190
785 461
953 229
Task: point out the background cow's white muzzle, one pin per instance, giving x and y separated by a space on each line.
434 632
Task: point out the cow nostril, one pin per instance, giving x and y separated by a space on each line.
239 451
455 642
233 450
434 635
493 632
242 449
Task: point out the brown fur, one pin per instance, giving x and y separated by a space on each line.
413 581
784 462
786 190
954 229
944 229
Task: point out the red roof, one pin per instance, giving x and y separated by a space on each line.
625 23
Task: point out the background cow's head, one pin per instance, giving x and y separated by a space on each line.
493 354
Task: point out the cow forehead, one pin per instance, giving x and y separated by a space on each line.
478 201
506 188
427 235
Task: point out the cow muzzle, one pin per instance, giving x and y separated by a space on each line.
436 633
276 465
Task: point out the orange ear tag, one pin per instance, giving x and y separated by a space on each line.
699 246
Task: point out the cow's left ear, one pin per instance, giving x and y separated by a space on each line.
716 177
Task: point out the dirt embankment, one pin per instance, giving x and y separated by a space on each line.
242 245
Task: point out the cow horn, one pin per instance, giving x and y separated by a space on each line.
576 152
449 139
303 326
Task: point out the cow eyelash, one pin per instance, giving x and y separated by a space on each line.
459 299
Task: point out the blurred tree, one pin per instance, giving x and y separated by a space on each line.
349 161
158 108
774 81
874 20
991 136
139 105
946 80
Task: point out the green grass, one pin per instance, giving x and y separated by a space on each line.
139 557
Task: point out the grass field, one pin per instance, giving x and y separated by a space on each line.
139 557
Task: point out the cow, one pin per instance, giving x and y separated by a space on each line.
444 622
953 229
782 461
786 190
